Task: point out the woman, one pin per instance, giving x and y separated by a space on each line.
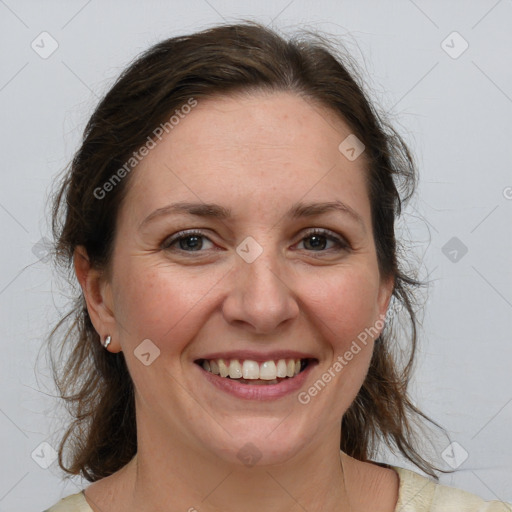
230 218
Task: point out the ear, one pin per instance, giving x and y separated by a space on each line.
385 292
98 297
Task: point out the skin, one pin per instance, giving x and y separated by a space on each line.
257 154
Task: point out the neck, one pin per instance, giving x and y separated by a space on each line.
167 475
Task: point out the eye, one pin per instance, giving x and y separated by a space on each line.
315 240
318 239
189 241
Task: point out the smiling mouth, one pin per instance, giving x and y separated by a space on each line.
247 371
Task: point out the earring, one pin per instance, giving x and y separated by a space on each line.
107 341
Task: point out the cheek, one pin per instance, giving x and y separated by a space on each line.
344 310
159 302
345 305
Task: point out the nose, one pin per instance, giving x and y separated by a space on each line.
260 298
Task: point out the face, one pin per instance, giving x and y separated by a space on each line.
272 281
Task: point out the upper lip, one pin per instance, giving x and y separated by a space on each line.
259 357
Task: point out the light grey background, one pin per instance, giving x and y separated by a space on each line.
454 112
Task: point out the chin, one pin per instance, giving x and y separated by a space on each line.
272 443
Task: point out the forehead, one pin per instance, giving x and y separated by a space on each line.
261 146
260 122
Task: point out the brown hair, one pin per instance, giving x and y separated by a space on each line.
225 59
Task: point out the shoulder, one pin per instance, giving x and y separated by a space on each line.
420 494
73 503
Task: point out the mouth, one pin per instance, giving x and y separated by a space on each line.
254 373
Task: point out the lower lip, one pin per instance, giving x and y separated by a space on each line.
255 391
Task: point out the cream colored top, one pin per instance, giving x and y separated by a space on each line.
416 493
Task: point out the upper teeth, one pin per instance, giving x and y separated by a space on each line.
248 369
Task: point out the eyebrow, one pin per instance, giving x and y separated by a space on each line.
212 210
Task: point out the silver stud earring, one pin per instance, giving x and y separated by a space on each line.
107 341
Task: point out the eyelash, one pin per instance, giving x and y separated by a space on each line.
183 235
